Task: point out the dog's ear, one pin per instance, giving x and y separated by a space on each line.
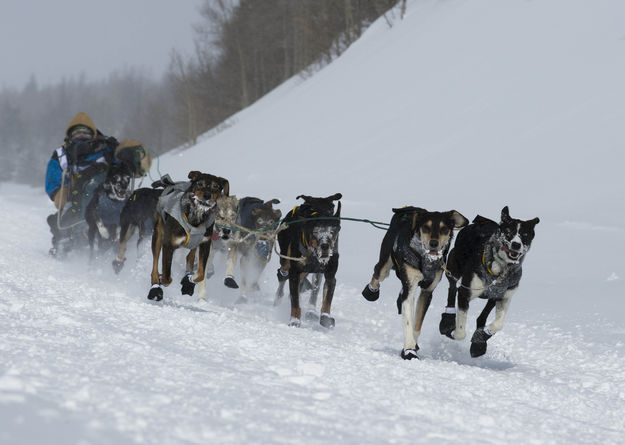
338 209
271 202
534 221
305 197
334 197
225 186
277 214
505 214
194 174
459 220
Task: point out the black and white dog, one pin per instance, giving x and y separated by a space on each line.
103 211
139 212
415 246
310 246
485 262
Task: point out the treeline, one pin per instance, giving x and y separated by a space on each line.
244 49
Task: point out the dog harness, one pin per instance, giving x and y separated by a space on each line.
169 203
497 285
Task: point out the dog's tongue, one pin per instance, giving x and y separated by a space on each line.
433 252
215 236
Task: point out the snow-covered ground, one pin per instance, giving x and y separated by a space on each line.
464 105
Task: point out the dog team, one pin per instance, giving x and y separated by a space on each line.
201 216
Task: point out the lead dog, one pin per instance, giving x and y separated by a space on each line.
415 246
310 241
186 216
485 262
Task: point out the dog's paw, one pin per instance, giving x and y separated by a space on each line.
326 321
229 282
282 275
370 293
156 293
447 324
478 349
479 342
295 322
187 286
409 354
118 265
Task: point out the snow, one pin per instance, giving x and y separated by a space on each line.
463 105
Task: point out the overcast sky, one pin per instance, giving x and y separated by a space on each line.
53 39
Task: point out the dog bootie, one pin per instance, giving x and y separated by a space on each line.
409 354
156 293
229 282
188 286
447 324
478 342
282 275
326 321
370 293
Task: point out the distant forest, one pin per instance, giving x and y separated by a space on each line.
244 49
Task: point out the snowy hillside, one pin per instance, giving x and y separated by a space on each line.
466 105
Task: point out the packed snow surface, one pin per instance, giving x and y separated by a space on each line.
462 105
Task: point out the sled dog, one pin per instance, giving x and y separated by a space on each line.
103 211
185 218
486 263
415 246
314 242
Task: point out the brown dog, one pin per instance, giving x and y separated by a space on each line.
185 218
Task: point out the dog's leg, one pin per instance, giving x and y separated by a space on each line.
199 276
283 271
156 292
483 334
481 320
314 292
231 262
409 278
328 293
448 318
296 311
408 322
166 260
465 295
126 232
380 272
187 286
210 263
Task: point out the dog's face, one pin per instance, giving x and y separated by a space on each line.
434 231
323 239
227 207
265 216
515 237
117 184
200 198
